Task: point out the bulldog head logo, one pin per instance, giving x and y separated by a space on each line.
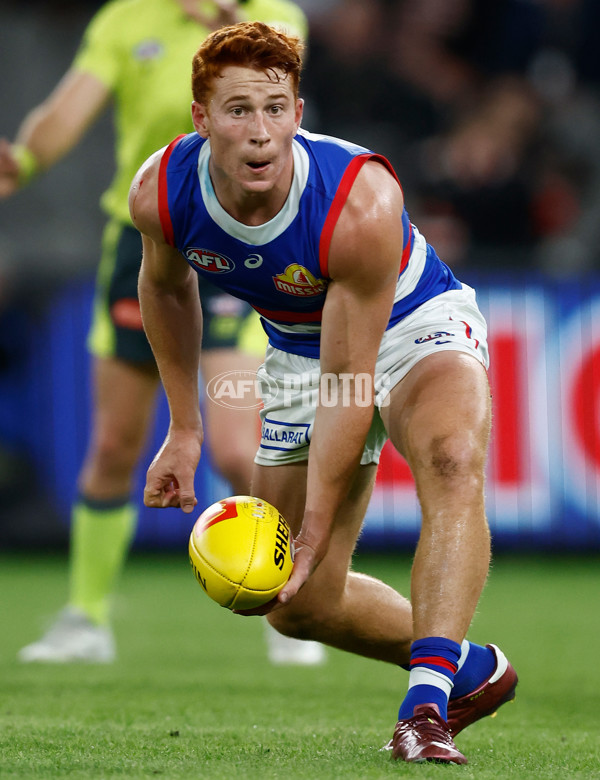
298 280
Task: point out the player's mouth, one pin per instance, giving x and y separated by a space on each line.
258 165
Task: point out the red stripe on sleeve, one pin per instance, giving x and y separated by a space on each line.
339 200
407 249
163 201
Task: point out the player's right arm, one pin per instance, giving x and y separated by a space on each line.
52 129
172 316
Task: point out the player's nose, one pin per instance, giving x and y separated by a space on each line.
259 131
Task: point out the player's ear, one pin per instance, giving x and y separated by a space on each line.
299 111
200 119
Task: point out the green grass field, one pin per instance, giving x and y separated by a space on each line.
192 695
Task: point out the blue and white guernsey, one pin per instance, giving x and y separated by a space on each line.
280 268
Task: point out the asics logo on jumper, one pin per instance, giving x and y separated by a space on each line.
298 280
253 261
435 337
209 261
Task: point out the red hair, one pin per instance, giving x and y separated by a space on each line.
248 45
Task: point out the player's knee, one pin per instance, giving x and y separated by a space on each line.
235 465
302 623
115 452
451 458
292 625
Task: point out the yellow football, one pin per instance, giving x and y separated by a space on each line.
242 552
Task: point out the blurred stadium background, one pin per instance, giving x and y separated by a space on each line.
490 112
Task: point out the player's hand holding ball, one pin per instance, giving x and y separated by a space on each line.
242 552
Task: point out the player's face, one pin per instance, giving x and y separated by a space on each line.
251 120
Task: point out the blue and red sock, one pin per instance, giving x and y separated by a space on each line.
433 664
475 665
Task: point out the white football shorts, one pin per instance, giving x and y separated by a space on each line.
289 384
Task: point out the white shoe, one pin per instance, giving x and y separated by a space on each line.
71 638
285 650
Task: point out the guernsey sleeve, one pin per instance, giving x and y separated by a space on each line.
99 51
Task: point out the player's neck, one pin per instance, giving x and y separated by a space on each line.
251 207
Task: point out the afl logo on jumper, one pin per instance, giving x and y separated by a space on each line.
209 261
298 280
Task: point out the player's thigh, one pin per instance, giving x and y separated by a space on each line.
217 362
285 487
125 395
443 400
231 402
328 583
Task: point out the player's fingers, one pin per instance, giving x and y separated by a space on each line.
303 566
159 494
152 498
7 159
4 150
186 497
187 500
8 183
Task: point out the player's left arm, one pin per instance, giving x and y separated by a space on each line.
172 316
364 263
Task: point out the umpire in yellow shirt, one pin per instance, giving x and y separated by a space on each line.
136 54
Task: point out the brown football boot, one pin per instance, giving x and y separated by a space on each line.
486 698
425 737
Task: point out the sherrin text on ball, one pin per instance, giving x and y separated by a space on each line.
242 552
